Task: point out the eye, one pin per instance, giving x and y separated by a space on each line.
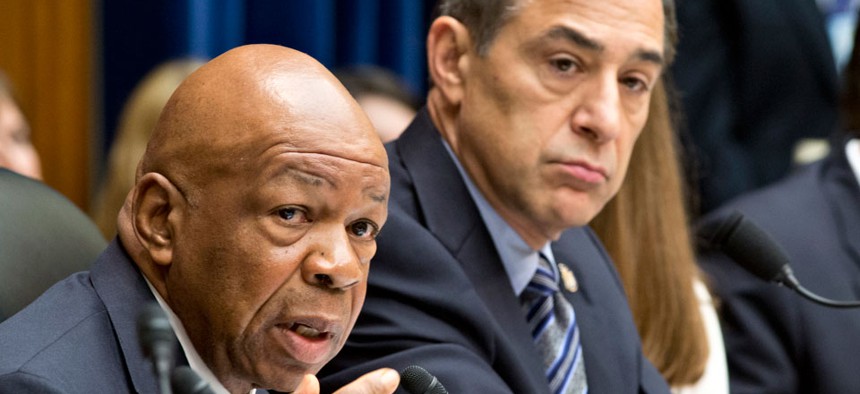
563 64
293 215
634 84
363 229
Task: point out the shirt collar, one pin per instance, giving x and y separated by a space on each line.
519 259
852 151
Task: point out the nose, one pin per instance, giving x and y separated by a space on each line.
597 114
333 263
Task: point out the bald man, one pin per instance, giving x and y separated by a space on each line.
252 223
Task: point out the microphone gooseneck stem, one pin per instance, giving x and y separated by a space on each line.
825 301
786 278
757 252
162 367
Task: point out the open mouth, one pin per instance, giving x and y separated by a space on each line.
307 340
308 331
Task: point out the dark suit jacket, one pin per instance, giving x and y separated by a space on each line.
439 296
80 336
778 342
754 77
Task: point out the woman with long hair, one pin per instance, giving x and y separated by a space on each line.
645 229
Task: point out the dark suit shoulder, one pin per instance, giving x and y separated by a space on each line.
60 338
769 207
801 342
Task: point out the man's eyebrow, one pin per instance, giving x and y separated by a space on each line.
301 176
575 37
378 197
582 40
650 56
313 180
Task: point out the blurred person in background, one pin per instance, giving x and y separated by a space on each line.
136 123
385 98
756 79
16 150
777 341
645 229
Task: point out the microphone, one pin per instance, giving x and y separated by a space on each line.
156 340
185 381
417 380
757 252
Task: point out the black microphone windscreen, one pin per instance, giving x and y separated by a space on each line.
747 244
184 380
417 380
153 328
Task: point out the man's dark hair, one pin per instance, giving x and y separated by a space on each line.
484 18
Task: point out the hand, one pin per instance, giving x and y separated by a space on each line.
381 381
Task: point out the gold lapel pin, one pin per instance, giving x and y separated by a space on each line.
568 278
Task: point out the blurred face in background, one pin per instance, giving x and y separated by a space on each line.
389 116
16 150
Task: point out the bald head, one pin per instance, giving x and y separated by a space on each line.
248 99
255 213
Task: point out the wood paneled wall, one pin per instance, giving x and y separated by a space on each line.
46 49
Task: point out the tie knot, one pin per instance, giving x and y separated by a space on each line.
545 280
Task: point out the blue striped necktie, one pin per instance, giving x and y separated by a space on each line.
554 330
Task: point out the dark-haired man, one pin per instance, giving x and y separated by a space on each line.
485 275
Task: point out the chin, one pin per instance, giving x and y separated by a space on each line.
575 214
283 378
286 384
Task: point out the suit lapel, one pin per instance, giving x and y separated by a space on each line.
439 189
437 183
577 249
124 293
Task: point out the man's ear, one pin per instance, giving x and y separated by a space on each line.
448 51
156 207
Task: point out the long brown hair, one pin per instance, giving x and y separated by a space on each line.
646 231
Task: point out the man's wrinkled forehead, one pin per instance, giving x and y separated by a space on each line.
316 169
356 142
340 157
334 167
